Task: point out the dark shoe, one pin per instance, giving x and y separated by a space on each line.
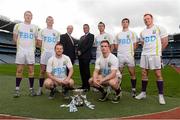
116 98
32 92
104 96
16 93
65 93
52 94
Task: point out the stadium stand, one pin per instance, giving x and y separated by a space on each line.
171 55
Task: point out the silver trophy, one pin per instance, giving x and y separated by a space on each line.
79 101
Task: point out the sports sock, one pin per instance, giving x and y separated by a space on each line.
118 91
160 86
144 85
133 83
41 82
31 82
18 81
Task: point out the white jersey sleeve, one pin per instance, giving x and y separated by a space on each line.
68 62
114 62
49 66
163 33
97 64
16 29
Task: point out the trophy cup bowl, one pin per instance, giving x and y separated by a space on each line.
78 99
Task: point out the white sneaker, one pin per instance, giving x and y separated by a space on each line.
161 99
142 95
39 92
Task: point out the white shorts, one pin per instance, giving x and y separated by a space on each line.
126 60
45 57
150 62
25 57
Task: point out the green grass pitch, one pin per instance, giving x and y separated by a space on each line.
42 107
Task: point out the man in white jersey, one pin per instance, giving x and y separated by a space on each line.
57 71
106 73
47 39
125 43
24 35
154 39
102 36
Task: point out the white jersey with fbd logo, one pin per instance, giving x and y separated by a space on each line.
49 39
125 41
98 39
105 65
27 34
152 40
58 66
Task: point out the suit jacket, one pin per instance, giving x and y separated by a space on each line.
68 46
85 45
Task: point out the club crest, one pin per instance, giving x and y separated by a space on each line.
154 32
31 30
65 63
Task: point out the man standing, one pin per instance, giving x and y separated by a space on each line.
106 73
125 43
24 35
57 72
84 56
68 43
154 39
102 36
47 39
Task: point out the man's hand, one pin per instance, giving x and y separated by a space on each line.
79 52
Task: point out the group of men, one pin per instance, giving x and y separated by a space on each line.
58 55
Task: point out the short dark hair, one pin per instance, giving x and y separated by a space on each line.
148 14
58 44
86 25
101 23
125 19
105 41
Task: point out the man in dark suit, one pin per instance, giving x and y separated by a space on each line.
68 43
84 55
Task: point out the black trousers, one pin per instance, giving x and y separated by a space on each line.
85 72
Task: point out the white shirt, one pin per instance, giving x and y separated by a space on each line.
58 66
98 39
125 42
152 40
106 65
27 34
49 38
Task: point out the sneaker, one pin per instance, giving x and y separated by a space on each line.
142 95
51 95
116 98
16 93
104 97
95 90
32 92
39 92
161 100
133 93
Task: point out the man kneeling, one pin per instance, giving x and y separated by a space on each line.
106 73
57 72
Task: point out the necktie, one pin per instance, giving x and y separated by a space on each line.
71 39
